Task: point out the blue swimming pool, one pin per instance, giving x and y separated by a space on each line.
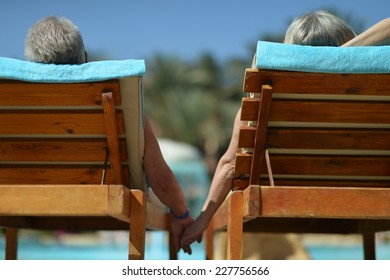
33 248
345 252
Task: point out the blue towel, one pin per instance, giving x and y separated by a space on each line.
50 73
373 59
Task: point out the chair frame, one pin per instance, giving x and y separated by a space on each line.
336 192
82 201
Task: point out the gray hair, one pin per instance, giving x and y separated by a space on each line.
318 28
54 40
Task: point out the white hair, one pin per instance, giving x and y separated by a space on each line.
318 28
54 40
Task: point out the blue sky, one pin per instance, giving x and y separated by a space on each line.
121 29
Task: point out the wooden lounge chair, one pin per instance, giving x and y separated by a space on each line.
321 149
71 152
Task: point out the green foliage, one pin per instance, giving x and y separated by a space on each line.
194 102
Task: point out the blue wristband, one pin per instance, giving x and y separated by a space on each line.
185 215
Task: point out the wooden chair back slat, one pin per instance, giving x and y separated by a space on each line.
318 165
57 174
247 137
318 182
307 83
285 110
328 138
243 163
250 109
55 150
325 138
330 111
321 165
33 94
55 122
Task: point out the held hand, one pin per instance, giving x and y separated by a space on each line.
177 227
192 232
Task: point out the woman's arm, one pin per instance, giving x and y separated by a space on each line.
376 35
220 187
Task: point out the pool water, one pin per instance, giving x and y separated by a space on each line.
32 248
346 252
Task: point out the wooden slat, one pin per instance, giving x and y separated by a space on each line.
55 122
320 165
64 150
243 163
57 174
41 200
348 139
250 109
331 181
330 111
41 94
330 165
325 202
246 138
323 182
318 83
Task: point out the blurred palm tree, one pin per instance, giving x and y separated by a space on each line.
194 102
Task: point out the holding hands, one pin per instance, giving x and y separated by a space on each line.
187 230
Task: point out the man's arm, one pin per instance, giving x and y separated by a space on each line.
160 176
164 183
376 35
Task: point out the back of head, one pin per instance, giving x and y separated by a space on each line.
318 28
54 40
